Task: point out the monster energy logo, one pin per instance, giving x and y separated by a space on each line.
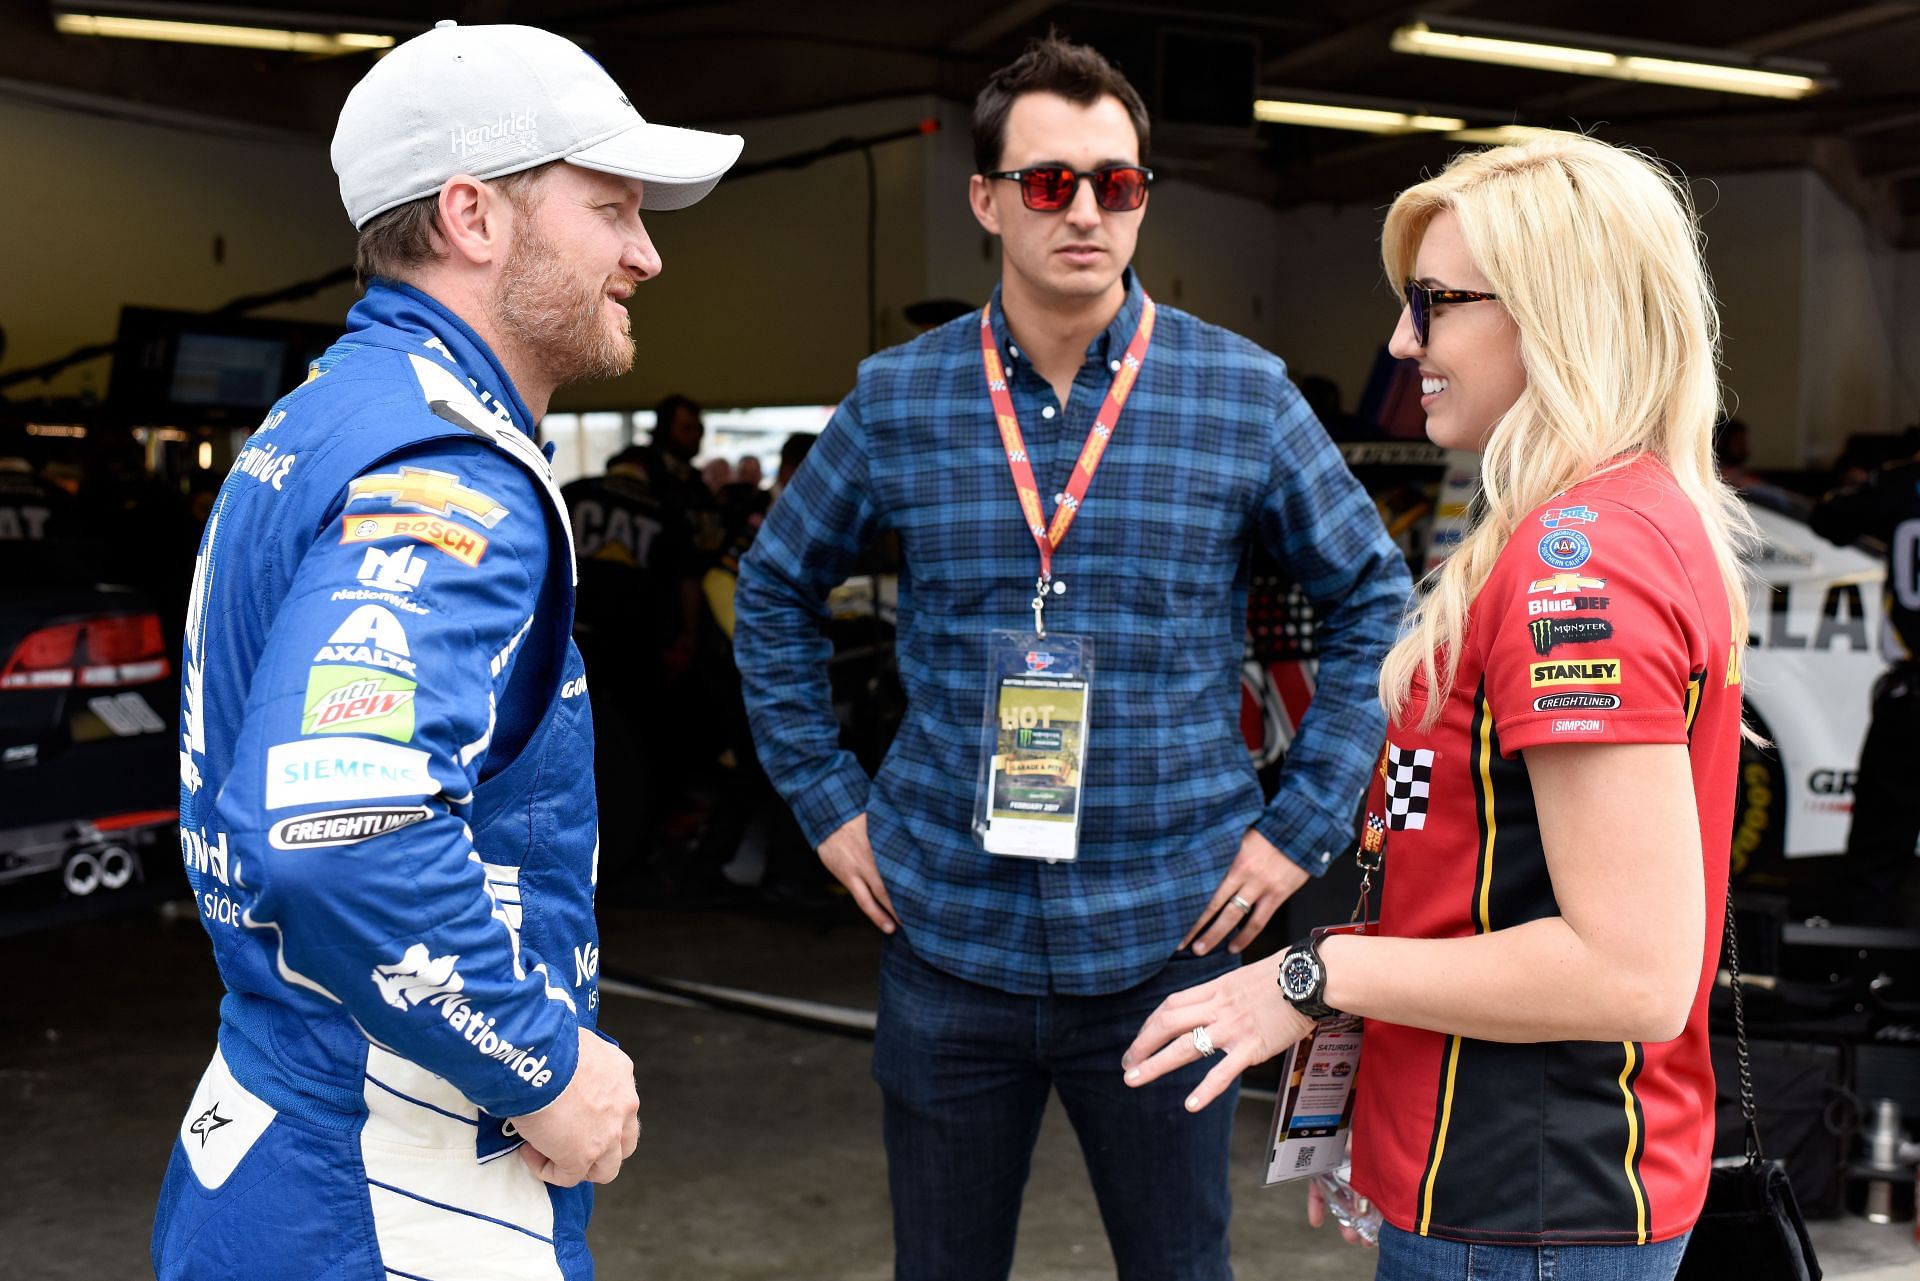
1548 632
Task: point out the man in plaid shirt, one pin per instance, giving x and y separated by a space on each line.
1005 978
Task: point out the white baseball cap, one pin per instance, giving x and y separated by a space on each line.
493 100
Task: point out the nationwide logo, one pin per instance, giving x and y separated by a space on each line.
1554 517
1549 632
420 978
207 1122
1576 703
1565 549
1565 584
394 571
1598 671
455 540
343 827
439 492
352 700
265 463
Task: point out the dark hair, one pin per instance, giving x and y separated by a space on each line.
795 450
394 243
670 405
1051 64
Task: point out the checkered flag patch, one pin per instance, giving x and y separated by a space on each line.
1409 775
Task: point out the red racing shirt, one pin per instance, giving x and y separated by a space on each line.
1604 621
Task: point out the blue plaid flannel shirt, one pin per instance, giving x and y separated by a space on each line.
1215 447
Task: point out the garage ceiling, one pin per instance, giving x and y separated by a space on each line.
728 60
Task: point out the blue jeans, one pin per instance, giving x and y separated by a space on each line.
1406 1257
965 1071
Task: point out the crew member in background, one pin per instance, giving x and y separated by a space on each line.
1876 883
1004 977
386 796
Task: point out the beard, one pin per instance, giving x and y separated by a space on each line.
555 318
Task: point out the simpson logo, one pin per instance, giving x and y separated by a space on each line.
420 978
1565 549
439 492
1584 725
455 540
351 700
343 827
1576 703
1598 671
1549 632
313 770
1565 584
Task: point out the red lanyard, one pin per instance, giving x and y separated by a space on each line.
1049 537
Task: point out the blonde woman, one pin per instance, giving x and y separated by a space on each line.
1556 793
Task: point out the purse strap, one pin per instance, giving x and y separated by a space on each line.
1740 1037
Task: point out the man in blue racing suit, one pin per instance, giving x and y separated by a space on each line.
386 807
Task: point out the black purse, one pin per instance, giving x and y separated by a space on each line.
1751 1227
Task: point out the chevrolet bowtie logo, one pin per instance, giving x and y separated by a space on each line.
432 491
1562 584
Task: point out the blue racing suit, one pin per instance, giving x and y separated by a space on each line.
387 818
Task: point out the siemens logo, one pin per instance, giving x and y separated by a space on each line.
344 769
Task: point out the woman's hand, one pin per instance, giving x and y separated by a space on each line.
1243 1016
1317 1214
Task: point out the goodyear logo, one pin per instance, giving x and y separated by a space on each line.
1594 671
454 539
439 492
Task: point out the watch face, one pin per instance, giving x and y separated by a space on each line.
1297 976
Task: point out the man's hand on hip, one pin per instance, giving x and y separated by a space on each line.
592 1127
849 856
1260 880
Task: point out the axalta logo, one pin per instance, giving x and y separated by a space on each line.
512 131
1576 703
343 827
1599 671
1039 660
265 463
420 978
454 539
372 637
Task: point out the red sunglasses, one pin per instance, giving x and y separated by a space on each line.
1051 188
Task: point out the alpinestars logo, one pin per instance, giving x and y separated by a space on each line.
207 1122
420 978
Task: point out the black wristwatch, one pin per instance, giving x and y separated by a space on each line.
1303 980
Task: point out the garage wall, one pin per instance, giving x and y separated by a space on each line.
102 212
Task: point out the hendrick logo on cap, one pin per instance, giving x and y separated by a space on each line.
514 131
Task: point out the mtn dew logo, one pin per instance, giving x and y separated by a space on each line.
358 700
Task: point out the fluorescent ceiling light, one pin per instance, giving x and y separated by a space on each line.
232 37
1320 115
1499 135
1550 53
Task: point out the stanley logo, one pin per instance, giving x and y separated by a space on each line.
1596 671
1548 632
430 491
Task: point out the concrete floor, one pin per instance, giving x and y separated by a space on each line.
761 1157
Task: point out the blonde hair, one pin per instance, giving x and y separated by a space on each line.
1594 250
